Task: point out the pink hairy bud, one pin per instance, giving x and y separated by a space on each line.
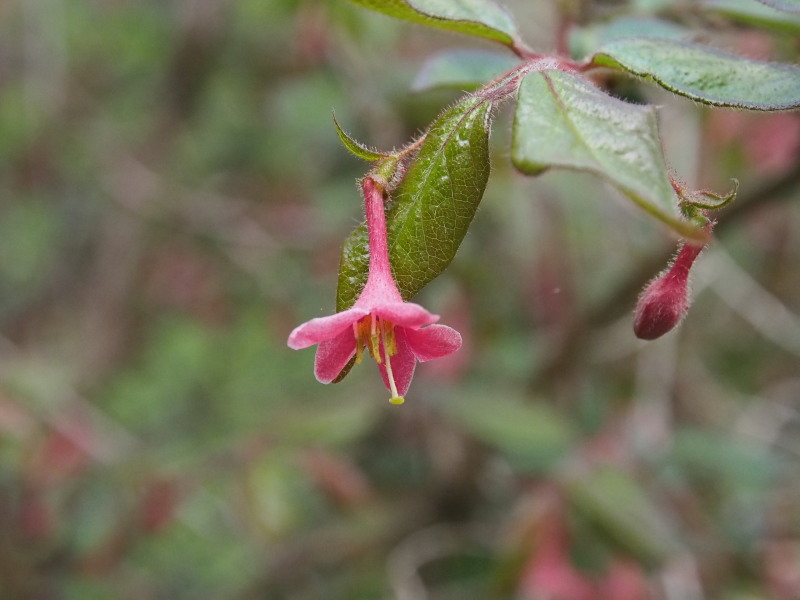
665 300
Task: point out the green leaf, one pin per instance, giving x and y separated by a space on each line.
432 207
482 18
616 503
586 40
705 74
356 148
563 121
323 425
531 435
462 69
755 13
709 200
792 6
710 455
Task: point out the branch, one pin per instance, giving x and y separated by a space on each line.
622 299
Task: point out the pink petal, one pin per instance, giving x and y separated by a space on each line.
405 314
333 355
323 328
433 341
403 364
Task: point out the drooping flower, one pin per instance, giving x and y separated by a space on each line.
396 333
665 300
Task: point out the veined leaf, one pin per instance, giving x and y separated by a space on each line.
353 267
563 121
755 13
705 74
462 69
433 206
356 148
482 18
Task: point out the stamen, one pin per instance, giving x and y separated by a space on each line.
359 341
396 398
389 342
375 340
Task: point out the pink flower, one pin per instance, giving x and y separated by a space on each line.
665 300
396 333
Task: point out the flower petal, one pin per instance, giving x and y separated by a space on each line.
433 341
403 364
333 355
323 328
405 314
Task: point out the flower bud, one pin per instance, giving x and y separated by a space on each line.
665 300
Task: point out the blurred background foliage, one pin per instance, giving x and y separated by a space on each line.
173 198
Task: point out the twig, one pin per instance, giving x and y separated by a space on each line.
768 315
622 298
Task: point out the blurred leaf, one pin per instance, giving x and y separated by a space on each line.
175 369
29 237
323 424
792 6
652 6
206 560
620 507
586 40
705 74
709 454
462 69
97 510
279 494
20 121
432 207
755 13
356 148
88 589
531 435
563 121
482 18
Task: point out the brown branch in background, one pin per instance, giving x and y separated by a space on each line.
621 300
193 61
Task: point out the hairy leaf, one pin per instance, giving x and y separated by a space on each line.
755 13
563 121
482 18
432 207
709 200
705 74
462 69
356 148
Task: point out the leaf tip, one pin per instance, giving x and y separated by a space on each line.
356 148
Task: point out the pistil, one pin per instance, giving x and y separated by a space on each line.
396 398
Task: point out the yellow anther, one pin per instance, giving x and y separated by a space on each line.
374 347
359 342
375 340
389 341
397 400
